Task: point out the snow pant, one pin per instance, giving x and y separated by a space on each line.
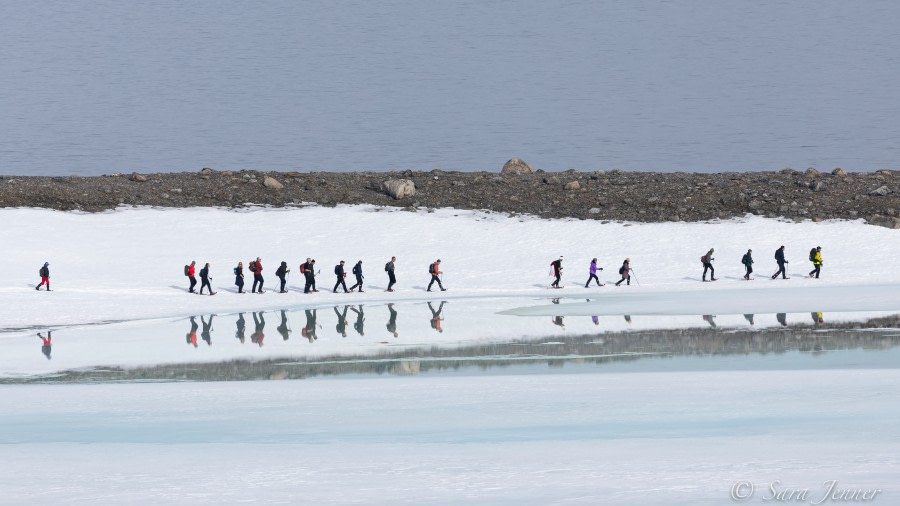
309 285
781 271
558 278
592 278
44 281
749 271
257 280
816 269
434 279
391 279
358 283
283 281
340 282
193 284
707 266
204 283
624 278
239 281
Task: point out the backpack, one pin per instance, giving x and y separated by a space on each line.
703 259
235 271
303 268
621 269
812 255
337 269
431 269
357 269
281 271
187 270
252 266
387 267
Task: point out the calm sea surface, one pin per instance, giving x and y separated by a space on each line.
93 87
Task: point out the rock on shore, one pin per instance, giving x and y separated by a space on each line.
597 195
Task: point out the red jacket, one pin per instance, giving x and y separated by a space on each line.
191 270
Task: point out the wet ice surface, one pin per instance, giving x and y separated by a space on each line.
466 336
431 404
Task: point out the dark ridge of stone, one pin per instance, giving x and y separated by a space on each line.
601 195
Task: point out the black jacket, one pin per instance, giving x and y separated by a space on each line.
339 270
779 256
357 269
747 260
204 273
45 272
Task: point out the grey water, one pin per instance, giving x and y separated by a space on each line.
100 87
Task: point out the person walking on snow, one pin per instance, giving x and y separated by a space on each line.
281 273
779 257
44 273
815 256
625 272
310 277
204 280
190 274
593 274
389 268
747 260
556 271
339 272
256 268
435 271
357 271
707 260
239 277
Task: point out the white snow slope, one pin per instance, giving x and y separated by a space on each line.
127 264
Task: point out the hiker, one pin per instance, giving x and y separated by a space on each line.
592 270
815 256
341 326
779 257
357 271
46 343
189 272
239 277
707 261
359 324
556 270
207 328
310 272
281 272
339 272
389 268
204 280
304 269
436 316
625 272
283 329
256 268
258 335
240 325
44 273
747 260
392 321
435 271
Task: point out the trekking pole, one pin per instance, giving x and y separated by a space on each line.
635 277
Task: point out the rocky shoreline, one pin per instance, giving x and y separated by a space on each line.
599 195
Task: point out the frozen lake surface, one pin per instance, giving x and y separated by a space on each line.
105 86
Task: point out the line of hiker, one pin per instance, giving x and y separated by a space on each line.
309 271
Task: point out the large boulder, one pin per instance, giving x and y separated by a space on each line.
399 188
516 166
839 172
138 178
881 191
272 183
572 185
